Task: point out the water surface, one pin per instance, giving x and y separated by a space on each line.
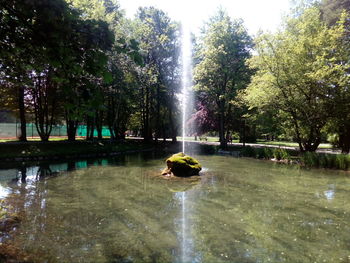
239 210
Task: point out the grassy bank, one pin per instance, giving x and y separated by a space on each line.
35 150
308 159
61 149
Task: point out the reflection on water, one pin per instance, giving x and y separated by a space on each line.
330 192
184 223
119 210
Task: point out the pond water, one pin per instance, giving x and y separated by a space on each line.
120 210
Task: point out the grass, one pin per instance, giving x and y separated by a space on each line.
293 144
37 139
192 138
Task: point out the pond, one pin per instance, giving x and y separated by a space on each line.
120 210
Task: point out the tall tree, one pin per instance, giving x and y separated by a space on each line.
222 70
15 52
333 13
298 74
159 42
331 10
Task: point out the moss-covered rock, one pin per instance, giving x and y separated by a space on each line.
182 165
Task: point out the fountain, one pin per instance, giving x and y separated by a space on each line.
181 164
186 80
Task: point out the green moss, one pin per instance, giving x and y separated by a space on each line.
183 165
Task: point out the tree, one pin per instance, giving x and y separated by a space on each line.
222 69
331 10
159 79
15 53
297 73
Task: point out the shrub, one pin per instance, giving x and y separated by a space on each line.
281 154
323 160
310 159
342 161
260 153
268 152
248 152
332 161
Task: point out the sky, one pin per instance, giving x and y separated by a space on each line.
257 14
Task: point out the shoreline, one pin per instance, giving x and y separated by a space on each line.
34 151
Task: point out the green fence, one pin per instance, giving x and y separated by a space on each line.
81 131
13 130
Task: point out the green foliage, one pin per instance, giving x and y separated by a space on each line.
331 161
266 153
281 154
333 139
159 77
331 10
222 70
300 70
310 159
248 152
342 161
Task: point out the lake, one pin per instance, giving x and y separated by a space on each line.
121 210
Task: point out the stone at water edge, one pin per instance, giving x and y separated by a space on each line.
182 165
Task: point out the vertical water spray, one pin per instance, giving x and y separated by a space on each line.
186 80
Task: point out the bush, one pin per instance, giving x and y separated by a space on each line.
281 154
342 161
268 153
332 161
310 159
248 152
260 153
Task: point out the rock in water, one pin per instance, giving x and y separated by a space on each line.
182 165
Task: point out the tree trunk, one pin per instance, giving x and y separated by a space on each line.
22 116
99 127
71 129
147 133
244 136
344 139
311 147
158 120
92 130
88 127
172 125
223 142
